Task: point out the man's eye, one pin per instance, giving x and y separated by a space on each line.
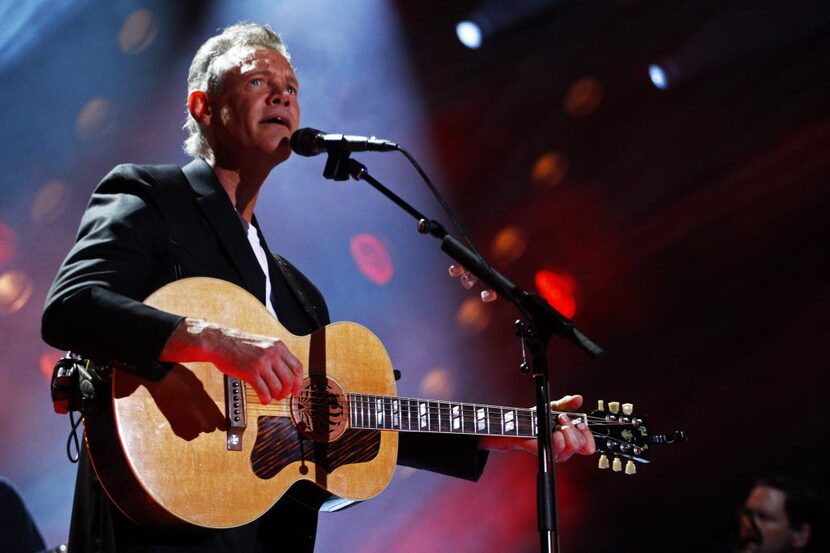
255 82
292 90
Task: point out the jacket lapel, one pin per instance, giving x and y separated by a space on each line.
277 263
214 203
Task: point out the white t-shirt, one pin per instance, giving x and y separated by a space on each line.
262 258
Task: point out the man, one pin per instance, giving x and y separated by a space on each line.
148 225
780 515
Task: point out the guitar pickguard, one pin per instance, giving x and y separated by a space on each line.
278 444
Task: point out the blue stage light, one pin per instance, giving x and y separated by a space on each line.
659 77
469 33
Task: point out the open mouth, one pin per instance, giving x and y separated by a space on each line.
276 121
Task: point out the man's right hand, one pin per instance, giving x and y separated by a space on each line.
263 362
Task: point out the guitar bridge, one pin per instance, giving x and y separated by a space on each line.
235 412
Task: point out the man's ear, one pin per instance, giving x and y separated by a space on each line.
800 537
199 107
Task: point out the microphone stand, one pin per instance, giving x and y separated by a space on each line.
541 323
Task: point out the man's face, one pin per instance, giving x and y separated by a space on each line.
256 109
767 506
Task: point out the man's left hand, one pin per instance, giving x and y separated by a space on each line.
568 439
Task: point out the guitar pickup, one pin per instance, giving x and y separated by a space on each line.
235 412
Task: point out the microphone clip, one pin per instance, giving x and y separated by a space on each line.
337 164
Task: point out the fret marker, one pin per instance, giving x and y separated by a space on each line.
456 417
422 414
379 411
396 416
481 423
509 422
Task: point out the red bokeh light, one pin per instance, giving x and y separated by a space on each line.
559 289
372 258
7 244
48 360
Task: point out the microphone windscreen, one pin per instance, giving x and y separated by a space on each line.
304 142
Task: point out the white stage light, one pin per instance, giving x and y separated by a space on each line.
469 33
659 77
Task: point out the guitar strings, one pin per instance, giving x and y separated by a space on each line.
523 415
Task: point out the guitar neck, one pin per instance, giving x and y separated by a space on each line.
445 417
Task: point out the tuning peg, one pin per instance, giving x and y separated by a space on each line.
614 406
489 295
600 405
457 270
603 461
616 465
630 467
627 408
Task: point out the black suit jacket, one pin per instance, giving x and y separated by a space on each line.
146 226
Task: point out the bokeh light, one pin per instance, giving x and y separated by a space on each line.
437 383
138 32
559 289
48 360
583 97
469 33
658 76
49 202
8 246
372 258
550 169
15 290
96 119
472 315
509 244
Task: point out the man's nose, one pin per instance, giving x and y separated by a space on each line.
281 96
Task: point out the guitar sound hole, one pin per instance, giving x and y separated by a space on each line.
320 411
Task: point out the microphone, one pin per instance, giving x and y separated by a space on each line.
310 142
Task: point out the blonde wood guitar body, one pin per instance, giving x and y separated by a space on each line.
169 453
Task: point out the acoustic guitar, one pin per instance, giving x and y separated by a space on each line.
198 449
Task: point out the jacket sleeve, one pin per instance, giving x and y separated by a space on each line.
94 305
448 454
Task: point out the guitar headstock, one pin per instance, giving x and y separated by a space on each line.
625 436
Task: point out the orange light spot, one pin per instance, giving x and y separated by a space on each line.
559 289
138 32
583 97
48 360
49 202
96 119
372 258
472 315
437 383
509 244
15 291
550 169
7 244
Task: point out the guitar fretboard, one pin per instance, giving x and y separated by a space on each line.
446 417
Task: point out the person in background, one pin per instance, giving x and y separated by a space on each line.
18 531
780 515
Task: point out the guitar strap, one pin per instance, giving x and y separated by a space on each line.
288 272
